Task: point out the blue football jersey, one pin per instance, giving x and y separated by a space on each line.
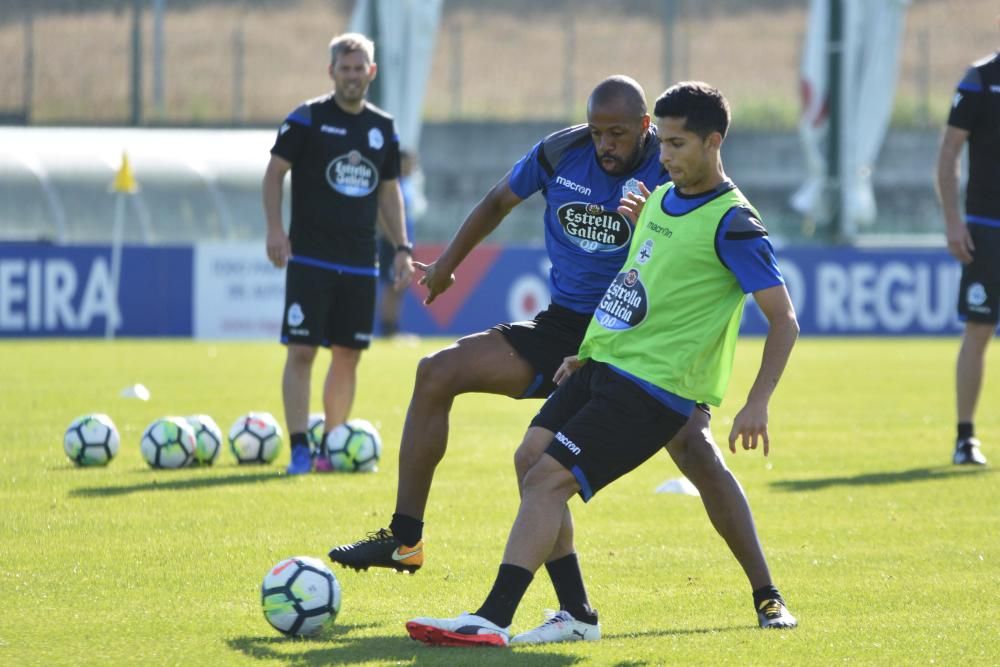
586 238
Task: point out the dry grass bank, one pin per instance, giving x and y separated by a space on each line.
487 63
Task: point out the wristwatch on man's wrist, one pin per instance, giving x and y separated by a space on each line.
405 247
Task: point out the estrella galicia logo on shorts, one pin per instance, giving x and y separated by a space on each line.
353 175
624 305
295 316
975 298
592 228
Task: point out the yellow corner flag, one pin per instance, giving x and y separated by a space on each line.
125 179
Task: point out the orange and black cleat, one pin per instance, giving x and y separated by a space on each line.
380 549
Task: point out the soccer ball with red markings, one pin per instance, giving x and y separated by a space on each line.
91 440
168 443
255 438
300 596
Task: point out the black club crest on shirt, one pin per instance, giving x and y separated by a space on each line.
352 175
592 228
624 305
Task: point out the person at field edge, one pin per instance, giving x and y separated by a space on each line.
390 299
974 240
343 153
583 172
661 341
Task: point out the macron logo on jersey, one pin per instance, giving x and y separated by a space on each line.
330 129
576 187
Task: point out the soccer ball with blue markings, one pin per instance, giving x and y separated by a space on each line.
91 440
354 446
300 596
207 437
168 442
255 438
317 423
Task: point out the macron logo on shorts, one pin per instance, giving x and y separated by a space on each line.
568 444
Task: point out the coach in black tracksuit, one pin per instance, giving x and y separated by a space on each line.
343 153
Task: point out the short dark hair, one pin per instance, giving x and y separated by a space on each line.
349 42
620 88
703 107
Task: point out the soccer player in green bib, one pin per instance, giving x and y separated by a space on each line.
660 342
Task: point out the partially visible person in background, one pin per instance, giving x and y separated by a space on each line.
343 153
974 240
390 299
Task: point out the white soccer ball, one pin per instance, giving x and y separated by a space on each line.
208 439
255 438
317 421
168 442
354 446
300 596
91 440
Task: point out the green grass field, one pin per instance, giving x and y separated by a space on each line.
885 552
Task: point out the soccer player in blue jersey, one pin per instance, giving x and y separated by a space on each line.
661 339
583 172
974 240
343 153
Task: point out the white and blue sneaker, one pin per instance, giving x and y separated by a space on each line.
464 630
559 626
967 453
301 462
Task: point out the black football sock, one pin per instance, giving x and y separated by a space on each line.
769 592
298 439
406 529
508 589
966 430
567 579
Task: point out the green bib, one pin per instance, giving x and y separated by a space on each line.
672 316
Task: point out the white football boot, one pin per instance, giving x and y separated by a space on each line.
773 614
559 626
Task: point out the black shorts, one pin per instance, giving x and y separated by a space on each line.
326 307
605 426
386 258
544 342
979 292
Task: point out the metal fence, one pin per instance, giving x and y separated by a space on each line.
247 62
528 64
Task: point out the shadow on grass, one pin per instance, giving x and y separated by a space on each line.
673 632
349 650
876 478
162 483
